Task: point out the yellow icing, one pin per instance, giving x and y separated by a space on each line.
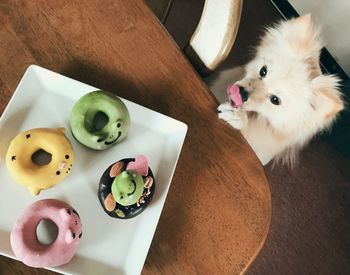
38 177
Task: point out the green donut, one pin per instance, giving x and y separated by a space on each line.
83 116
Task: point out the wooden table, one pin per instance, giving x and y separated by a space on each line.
218 210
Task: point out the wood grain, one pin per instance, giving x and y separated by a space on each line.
217 213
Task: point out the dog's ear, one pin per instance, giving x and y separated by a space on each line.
304 39
305 24
326 100
301 31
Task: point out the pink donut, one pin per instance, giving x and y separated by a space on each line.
24 241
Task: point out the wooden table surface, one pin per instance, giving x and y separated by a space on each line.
218 210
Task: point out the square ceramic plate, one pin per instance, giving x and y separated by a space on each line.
108 246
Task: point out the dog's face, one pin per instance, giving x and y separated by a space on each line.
284 80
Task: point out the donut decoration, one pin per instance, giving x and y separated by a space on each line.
24 240
86 127
28 173
126 187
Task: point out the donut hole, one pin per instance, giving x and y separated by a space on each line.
41 157
100 120
46 232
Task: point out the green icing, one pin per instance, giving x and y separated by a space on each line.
84 112
127 188
120 213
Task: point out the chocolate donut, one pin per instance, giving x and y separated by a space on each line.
126 187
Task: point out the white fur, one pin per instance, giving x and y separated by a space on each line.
310 101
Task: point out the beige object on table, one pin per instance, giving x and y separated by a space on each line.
215 34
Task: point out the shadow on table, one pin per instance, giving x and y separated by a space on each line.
115 81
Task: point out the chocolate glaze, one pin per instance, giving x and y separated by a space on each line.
130 211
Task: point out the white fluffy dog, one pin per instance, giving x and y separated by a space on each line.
288 100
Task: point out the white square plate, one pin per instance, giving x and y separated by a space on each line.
108 246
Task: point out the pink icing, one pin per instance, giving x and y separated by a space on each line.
234 96
140 165
24 240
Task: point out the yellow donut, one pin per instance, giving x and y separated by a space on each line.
38 177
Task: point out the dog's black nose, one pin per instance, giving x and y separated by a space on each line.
244 94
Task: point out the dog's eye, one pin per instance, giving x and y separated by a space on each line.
263 71
275 100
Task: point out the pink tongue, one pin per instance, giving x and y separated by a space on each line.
234 95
